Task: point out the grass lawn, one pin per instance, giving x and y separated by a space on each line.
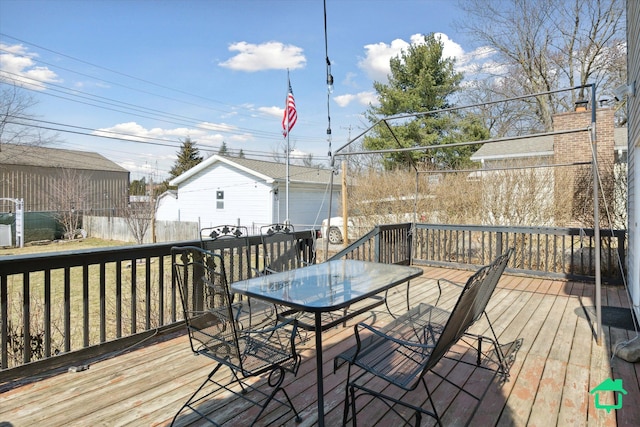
62 245
131 299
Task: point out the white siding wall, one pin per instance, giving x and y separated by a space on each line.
633 105
246 198
308 206
167 209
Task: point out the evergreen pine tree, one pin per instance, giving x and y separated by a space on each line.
188 157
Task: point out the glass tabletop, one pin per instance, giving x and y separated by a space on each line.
327 286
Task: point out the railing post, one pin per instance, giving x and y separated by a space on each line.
4 305
409 255
376 244
622 254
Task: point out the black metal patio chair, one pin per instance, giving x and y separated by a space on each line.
214 332
280 248
500 351
405 350
232 243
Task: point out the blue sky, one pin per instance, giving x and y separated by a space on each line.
157 72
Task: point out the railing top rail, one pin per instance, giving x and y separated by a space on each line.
28 263
573 231
350 248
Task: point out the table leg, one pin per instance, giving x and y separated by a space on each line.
320 376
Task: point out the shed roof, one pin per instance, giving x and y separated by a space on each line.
269 171
29 155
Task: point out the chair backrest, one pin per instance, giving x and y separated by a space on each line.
224 232
234 238
280 248
210 316
460 319
496 268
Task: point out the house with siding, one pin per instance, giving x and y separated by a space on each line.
231 190
633 106
36 173
549 149
569 146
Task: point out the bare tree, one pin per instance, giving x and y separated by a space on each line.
69 193
139 216
15 119
543 45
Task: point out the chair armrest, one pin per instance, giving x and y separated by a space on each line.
385 336
450 282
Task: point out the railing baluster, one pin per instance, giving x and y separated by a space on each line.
118 301
161 290
47 313
26 318
67 309
147 287
85 304
4 317
133 295
103 303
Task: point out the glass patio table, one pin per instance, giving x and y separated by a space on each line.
323 288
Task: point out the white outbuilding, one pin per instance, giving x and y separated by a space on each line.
232 190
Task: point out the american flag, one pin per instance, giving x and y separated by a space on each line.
290 113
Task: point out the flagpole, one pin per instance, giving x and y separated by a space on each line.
287 167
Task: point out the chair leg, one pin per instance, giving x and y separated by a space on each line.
408 304
345 411
276 386
433 405
188 402
353 407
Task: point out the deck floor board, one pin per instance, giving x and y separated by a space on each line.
549 383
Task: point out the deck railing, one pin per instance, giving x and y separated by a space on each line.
566 253
389 244
100 300
53 304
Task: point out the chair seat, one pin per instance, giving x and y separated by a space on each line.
398 351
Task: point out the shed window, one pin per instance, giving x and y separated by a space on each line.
219 199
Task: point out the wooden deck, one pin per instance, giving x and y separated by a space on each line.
549 383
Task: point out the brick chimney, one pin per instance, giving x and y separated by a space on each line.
576 147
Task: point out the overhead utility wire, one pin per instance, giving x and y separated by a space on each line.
30 119
250 114
446 110
130 138
115 72
162 116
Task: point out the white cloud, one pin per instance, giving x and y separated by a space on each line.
450 49
265 56
205 134
272 111
362 98
350 79
298 154
18 65
376 61
377 56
